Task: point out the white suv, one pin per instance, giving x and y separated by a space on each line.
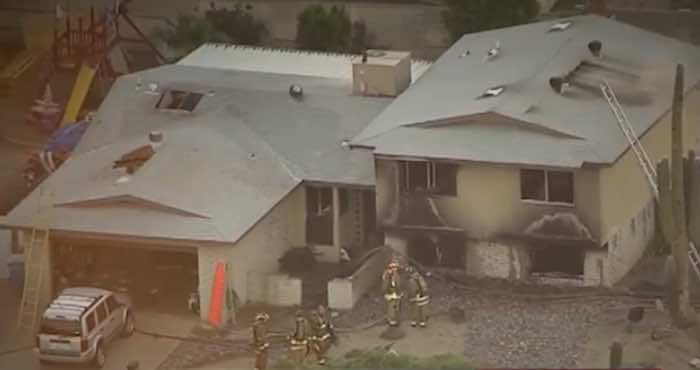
78 324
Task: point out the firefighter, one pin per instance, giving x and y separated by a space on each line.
298 340
392 293
322 334
418 289
260 341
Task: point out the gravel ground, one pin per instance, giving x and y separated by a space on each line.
499 331
507 333
502 331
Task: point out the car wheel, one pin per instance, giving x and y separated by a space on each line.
129 326
100 357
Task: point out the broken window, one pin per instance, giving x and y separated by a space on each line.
433 177
547 186
179 100
532 185
319 200
319 215
560 187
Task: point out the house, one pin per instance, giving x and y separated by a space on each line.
506 161
233 155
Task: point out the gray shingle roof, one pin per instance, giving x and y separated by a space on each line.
221 168
528 122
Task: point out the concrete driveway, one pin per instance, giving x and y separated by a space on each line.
148 351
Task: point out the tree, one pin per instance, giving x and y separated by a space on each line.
187 33
238 25
324 30
218 25
467 16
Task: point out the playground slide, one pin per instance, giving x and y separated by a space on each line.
79 93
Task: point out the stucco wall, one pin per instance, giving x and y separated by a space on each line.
618 206
625 196
488 199
344 293
256 254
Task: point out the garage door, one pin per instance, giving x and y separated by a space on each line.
157 278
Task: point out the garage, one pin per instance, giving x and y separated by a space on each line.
157 278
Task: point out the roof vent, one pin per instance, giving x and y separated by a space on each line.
560 26
595 47
493 52
153 89
156 139
559 84
296 91
494 91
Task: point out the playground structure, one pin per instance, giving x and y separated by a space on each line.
88 53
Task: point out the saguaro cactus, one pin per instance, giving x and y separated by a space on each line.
615 355
676 194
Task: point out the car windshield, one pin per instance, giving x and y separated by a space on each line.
60 327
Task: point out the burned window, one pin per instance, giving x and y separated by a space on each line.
547 186
319 200
532 185
560 187
179 100
432 177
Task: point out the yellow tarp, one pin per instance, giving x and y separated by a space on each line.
79 93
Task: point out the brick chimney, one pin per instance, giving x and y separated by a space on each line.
599 7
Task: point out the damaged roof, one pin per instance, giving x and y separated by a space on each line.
220 168
449 114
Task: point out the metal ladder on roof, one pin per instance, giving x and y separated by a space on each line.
35 258
623 122
694 258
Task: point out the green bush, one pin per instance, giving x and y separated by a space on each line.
236 26
467 16
324 30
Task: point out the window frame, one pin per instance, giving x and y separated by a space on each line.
431 175
102 306
546 200
91 316
112 304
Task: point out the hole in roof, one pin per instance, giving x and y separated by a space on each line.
559 26
494 91
179 100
